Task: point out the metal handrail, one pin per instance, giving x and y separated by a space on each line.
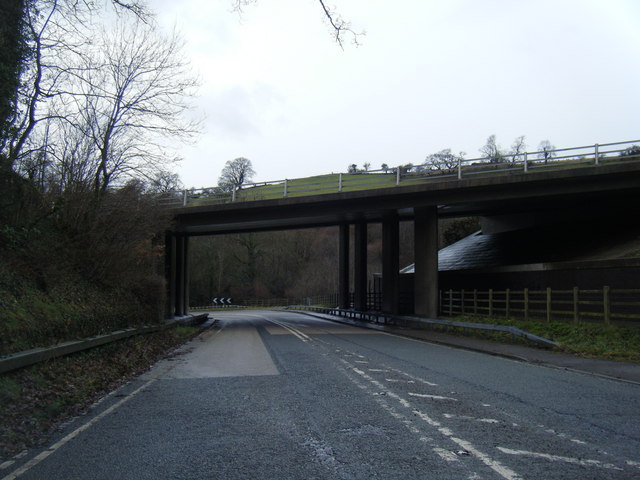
481 166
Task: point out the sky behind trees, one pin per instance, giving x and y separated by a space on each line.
428 75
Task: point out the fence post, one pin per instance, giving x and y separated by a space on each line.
398 176
526 162
491 302
526 304
548 304
286 187
606 300
475 301
459 168
462 301
340 182
450 302
597 157
184 198
576 317
506 300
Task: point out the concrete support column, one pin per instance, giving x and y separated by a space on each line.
185 269
343 267
426 262
391 263
180 271
360 267
170 272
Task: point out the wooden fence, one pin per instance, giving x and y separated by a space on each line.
600 305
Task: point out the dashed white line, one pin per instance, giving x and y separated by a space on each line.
558 458
432 397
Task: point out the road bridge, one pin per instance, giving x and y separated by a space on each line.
577 190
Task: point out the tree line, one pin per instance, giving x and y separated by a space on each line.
445 160
290 264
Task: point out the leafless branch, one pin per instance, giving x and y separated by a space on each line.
339 26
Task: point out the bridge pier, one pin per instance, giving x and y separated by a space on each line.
177 273
170 272
343 266
360 266
391 263
426 262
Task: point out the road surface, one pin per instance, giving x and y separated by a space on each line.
282 395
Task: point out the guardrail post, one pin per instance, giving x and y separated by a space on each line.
184 198
597 154
398 176
526 162
576 317
459 168
340 182
286 185
606 300
548 304
526 304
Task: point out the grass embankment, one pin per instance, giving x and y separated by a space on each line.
607 342
34 400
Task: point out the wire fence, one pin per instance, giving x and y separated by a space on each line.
604 305
437 168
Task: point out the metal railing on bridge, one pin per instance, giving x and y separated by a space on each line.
452 167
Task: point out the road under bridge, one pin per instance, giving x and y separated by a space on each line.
587 192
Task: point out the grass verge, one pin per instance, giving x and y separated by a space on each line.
34 400
607 342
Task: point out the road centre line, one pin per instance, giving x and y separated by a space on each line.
473 419
432 397
496 466
297 333
502 470
558 458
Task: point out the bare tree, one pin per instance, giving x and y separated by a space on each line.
492 151
339 26
518 148
135 88
55 33
545 150
443 161
235 173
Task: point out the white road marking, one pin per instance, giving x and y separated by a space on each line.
412 377
59 444
432 397
558 458
503 471
447 455
297 333
465 417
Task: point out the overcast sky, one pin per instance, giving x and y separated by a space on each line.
428 75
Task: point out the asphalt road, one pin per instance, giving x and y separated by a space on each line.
273 395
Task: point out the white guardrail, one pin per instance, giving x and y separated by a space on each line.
451 167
